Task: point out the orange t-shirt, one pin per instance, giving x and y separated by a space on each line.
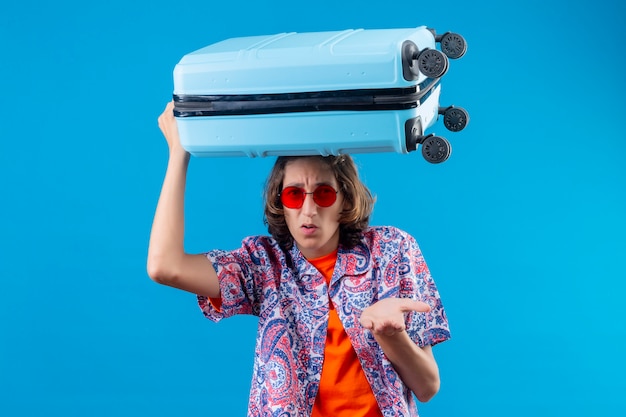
343 390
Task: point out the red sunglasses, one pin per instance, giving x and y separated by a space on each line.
293 197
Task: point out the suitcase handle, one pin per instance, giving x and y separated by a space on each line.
410 52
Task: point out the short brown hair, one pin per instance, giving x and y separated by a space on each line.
358 200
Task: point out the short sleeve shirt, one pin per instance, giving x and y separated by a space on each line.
291 299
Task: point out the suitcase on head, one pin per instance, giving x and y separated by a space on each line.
317 93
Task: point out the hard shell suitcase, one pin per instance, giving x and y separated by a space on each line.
351 91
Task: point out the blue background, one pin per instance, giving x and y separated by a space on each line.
523 227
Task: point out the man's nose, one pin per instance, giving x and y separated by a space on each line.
309 207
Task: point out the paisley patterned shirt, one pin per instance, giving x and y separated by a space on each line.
291 299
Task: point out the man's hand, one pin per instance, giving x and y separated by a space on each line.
386 317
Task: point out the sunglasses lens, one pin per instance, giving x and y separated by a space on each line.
324 195
292 197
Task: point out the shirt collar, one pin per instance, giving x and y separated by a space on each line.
355 261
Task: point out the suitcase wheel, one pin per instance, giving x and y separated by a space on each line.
432 63
454 118
453 45
436 149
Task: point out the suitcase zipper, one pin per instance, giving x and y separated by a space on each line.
347 100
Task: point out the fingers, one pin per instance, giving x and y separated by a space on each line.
168 113
169 108
167 124
382 325
390 331
391 328
387 316
387 328
418 306
167 121
367 322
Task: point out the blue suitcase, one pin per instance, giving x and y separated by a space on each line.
318 93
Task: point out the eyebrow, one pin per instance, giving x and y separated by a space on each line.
301 184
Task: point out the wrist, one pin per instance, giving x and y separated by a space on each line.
178 153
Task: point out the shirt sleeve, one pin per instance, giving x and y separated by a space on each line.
417 283
240 273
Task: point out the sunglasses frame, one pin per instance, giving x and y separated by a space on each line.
305 193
